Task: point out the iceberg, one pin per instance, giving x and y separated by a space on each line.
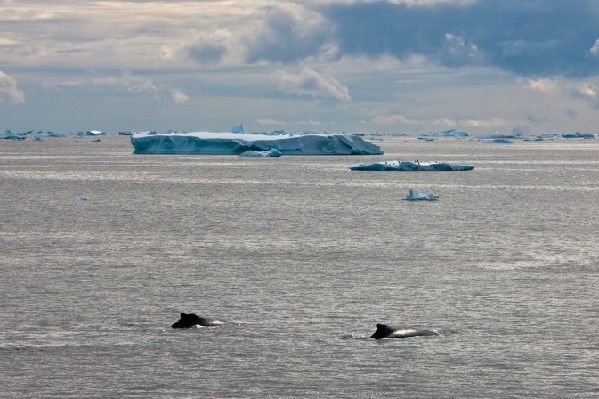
8 135
408 166
272 153
578 135
207 143
238 129
416 195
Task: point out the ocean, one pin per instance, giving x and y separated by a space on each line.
101 250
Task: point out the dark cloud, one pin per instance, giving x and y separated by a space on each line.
287 35
207 53
548 37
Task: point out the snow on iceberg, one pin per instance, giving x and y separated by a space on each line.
235 143
272 153
408 166
416 195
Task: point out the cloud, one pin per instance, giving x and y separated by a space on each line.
312 83
564 87
399 119
550 37
276 122
287 33
9 90
212 48
531 38
207 53
137 84
587 90
179 97
269 121
542 85
458 50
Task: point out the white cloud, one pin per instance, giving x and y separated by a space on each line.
564 88
542 85
312 83
588 91
460 47
595 49
179 97
9 89
269 121
137 84
399 119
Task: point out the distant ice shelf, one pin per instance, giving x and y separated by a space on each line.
207 143
408 166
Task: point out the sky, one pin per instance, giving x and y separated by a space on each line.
388 66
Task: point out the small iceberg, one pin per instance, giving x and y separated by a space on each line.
82 198
408 166
415 194
578 135
238 129
272 153
8 135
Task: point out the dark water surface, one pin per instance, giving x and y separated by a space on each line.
305 257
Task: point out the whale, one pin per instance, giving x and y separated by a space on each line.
386 331
189 320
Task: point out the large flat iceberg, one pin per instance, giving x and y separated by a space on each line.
408 166
236 143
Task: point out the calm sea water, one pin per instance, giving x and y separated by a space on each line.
304 257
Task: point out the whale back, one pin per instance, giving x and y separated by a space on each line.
188 320
383 331
386 331
191 319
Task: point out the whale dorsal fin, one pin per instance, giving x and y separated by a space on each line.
382 331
